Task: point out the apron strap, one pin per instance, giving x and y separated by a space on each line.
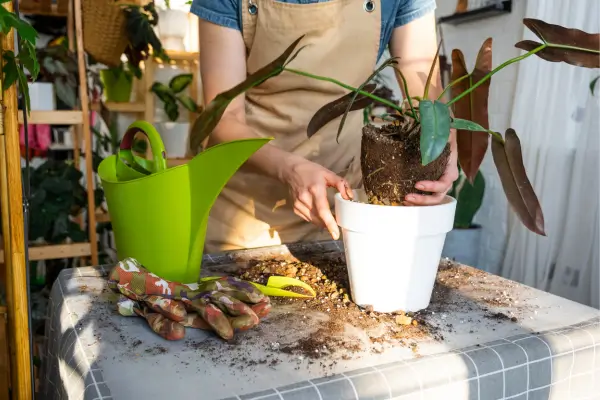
249 15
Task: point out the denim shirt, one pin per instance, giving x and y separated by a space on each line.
394 13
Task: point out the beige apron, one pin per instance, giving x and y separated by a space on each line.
342 38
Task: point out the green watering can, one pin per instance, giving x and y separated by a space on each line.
159 215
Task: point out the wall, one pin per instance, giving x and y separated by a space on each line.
506 30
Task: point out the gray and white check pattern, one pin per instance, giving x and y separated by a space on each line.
560 363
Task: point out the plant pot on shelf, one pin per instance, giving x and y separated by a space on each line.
117 85
42 96
172 28
175 137
393 252
462 245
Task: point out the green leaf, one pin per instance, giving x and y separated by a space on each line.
188 103
469 200
208 120
334 109
435 129
463 124
172 110
10 70
26 32
24 88
163 92
28 58
593 84
180 82
508 159
66 93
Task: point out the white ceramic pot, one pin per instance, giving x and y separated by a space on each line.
172 28
175 137
393 253
42 96
462 245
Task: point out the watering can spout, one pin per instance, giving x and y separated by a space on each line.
209 171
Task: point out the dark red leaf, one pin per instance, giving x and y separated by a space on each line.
519 192
578 58
210 117
576 47
338 107
472 146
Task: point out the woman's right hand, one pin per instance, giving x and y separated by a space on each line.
308 182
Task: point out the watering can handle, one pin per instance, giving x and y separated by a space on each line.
159 154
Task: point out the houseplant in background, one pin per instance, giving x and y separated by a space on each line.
172 96
407 241
117 83
463 241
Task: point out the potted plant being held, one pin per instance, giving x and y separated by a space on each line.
175 132
463 241
393 251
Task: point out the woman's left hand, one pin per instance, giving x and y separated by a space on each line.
440 187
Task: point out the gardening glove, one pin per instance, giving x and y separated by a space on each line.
224 304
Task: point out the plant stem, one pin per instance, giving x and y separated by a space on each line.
336 82
408 98
462 78
498 68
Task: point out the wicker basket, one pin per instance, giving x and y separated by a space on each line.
104 36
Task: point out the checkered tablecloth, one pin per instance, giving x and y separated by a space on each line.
553 352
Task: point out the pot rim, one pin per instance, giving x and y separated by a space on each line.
448 202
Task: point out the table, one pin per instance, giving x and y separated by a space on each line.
494 339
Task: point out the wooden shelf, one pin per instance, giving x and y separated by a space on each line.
53 117
53 11
173 162
54 252
102 217
176 55
126 107
499 8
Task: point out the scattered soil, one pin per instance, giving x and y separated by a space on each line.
391 162
329 278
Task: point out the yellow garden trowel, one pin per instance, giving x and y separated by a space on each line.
275 285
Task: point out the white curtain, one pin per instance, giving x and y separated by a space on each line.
556 118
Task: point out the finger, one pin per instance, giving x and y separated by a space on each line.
425 200
164 327
341 185
170 308
323 211
213 316
302 211
440 186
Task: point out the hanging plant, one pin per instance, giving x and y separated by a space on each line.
172 95
139 25
14 67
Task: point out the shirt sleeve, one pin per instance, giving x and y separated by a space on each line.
409 10
221 12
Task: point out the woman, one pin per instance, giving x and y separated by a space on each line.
285 184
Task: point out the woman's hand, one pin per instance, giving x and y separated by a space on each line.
440 187
308 182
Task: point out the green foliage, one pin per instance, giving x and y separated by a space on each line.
139 27
14 65
435 129
56 196
469 198
59 66
172 95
